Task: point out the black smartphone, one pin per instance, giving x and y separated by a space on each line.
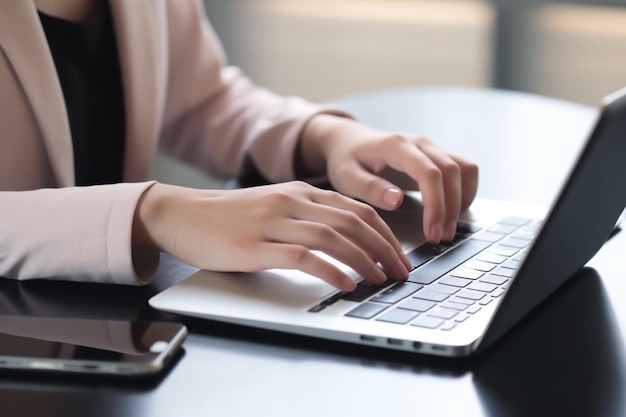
87 346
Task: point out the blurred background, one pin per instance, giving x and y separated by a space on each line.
323 49
327 49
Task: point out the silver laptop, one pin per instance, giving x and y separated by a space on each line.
460 297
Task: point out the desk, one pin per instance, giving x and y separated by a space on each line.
567 358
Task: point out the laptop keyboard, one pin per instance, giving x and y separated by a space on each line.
448 282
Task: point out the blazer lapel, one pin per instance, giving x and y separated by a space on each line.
140 30
23 41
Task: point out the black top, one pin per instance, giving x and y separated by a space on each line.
87 63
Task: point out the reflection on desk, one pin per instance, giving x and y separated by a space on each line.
566 360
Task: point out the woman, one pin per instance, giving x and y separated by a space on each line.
89 89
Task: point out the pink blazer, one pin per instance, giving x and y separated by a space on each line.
179 96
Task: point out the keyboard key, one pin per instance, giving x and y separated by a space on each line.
363 291
456 239
482 286
503 250
489 236
446 289
448 326
447 261
505 272
397 292
485 301
490 257
317 308
515 242
512 264
461 318
425 294
470 294
443 313
415 304
429 248
534 225
497 293
474 309
525 234
463 301
453 306
494 279
420 256
327 302
366 310
463 272
454 281
427 322
398 316
460 236
479 265
501 228
467 228
515 221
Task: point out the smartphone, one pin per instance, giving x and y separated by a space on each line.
88 346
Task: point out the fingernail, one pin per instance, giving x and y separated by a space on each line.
348 285
392 197
403 271
436 231
406 261
380 276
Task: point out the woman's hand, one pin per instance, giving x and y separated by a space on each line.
274 226
376 166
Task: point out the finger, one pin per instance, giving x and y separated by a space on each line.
452 187
353 242
408 158
362 224
469 180
322 237
353 220
370 187
287 256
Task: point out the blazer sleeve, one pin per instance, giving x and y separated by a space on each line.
73 233
215 118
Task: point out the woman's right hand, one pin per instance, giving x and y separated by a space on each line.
273 226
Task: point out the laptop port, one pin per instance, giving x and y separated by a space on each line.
395 342
367 338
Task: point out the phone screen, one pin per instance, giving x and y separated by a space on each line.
86 345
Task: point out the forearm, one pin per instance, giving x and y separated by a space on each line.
315 142
75 233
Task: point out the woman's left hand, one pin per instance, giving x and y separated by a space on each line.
375 167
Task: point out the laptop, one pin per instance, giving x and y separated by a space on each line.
460 297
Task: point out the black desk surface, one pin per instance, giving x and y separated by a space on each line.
566 359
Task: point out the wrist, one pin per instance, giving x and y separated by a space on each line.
147 209
145 235
315 143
